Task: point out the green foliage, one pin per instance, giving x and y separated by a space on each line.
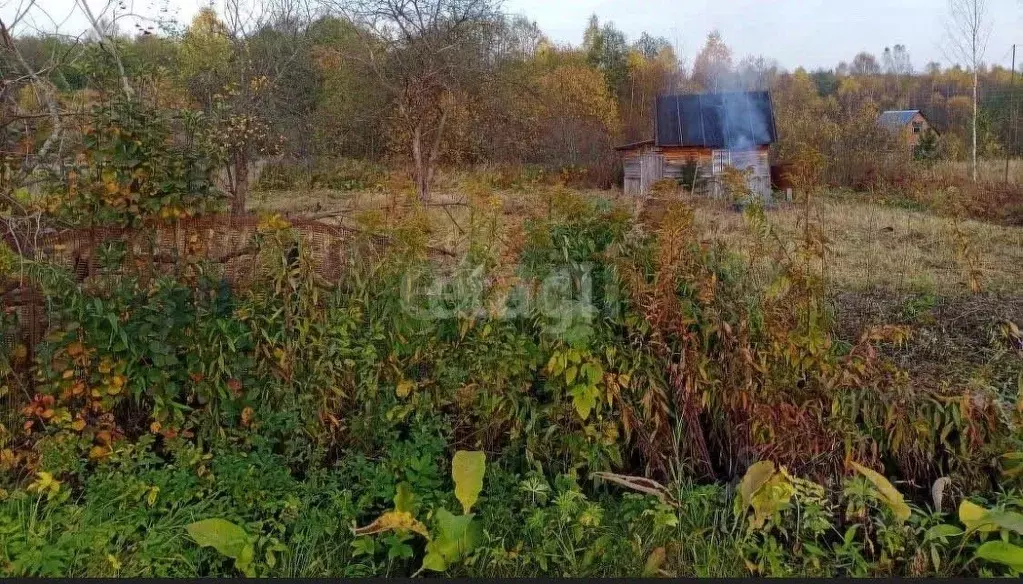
138 162
1002 553
927 150
456 536
285 409
453 536
227 538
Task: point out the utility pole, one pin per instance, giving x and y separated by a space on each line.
1012 114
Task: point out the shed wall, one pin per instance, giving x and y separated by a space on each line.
648 164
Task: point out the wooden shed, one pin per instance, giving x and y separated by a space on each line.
698 136
911 125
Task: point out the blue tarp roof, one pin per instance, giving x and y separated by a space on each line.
896 119
716 120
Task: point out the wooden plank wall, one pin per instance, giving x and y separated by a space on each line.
645 166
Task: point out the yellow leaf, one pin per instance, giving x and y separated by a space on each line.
393 521
770 498
654 563
151 496
44 483
404 388
467 469
756 476
97 452
888 492
975 517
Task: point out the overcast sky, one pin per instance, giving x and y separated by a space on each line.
809 33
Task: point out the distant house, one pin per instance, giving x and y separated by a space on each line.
701 135
911 124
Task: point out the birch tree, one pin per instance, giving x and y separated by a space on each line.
969 29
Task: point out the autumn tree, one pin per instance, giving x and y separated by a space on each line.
352 107
864 64
808 129
575 117
653 70
896 61
608 52
427 54
517 39
249 71
756 73
205 56
713 64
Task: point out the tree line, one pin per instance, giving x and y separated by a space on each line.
428 83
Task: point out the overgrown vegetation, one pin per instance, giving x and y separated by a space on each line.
520 379
605 351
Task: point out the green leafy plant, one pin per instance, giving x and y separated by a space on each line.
138 163
452 537
228 539
886 491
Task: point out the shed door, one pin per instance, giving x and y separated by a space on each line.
651 170
720 159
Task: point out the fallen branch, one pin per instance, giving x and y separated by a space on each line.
639 484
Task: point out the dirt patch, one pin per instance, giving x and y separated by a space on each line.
954 340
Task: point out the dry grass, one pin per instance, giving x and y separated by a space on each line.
447 217
987 170
871 245
875 246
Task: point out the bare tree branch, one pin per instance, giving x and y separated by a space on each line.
105 43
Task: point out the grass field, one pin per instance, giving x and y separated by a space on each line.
992 170
875 246
870 245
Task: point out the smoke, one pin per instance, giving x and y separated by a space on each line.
745 120
732 120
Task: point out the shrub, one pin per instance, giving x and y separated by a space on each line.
136 163
291 408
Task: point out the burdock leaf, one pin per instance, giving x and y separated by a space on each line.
891 496
220 534
467 470
1002 553
757 475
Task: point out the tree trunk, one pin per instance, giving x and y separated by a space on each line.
241 184
426 162
420 167
431 160
975 80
